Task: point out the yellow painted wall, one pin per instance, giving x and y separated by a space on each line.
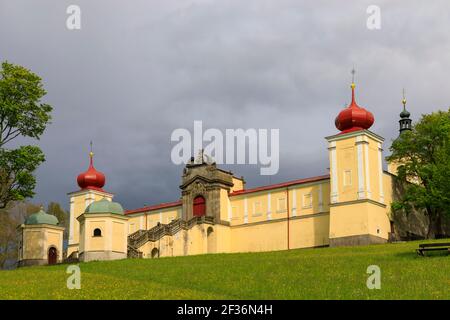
238 184
347 169
256 226
388 192
359 219
38 239
113 232
273 204
362 188
303 232
185 242
78 204
148 220
34 242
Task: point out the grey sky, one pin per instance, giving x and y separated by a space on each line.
137 70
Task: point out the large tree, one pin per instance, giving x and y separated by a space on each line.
423 155
9 220
21 114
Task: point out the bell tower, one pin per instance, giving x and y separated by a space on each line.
91 183
358 213
405 121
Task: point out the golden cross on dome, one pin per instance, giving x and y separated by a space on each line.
91 154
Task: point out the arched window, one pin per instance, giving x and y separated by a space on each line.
199 206
97 232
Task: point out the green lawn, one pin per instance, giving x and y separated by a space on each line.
326 273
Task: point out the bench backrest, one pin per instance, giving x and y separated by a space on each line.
429 245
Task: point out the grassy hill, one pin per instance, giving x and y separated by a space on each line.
326 273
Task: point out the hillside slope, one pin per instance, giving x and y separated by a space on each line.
326 273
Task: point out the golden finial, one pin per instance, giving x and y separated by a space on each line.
404 99
353 78
91 154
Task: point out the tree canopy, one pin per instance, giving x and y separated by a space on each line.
21 114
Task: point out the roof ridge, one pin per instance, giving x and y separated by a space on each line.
164 205
281 184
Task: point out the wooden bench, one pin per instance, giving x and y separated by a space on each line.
425 247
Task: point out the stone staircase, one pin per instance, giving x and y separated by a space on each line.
133 253
72 258
141 237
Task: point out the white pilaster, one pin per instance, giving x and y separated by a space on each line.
333 172
359 154
72 219
269 207
294 202
245 210
320 198
380 168
367 168
230 210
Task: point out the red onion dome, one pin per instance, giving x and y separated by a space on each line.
91 179
354 118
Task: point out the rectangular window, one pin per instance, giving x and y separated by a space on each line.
347 178
281 204
234 213
257 208
307 200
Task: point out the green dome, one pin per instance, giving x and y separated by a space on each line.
104 206
404 114
42 217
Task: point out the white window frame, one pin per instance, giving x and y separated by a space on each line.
347 174
257 211
283 201
307 196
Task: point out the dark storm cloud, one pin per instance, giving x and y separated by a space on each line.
138 70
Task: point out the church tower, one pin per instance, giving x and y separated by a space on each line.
405 121
405 124
91 183
358 213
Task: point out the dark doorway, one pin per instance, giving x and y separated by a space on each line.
211 240
52 256
199 206
155 253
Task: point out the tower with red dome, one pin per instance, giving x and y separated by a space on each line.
91 183
357 183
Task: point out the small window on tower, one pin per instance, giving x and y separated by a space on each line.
347 178
97 232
